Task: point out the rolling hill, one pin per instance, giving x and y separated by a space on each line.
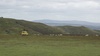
78 30
91 25
12 26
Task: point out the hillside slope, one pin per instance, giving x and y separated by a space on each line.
78 30
91 25
12 26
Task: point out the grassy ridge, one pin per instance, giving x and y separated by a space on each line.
12 26
14 45
78 30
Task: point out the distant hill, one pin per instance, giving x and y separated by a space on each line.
78 30
12 26
97 31
95 26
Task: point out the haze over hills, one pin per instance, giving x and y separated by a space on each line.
95 26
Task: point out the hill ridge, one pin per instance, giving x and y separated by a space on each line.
13 26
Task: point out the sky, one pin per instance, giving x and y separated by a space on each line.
81 10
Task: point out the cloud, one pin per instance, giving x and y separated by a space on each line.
84 5
51 9
52 4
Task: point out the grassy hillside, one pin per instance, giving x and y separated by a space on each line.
12 26
98 31
77 30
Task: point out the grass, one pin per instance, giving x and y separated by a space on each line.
15 45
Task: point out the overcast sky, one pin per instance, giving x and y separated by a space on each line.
82 10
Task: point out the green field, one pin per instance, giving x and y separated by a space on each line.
15 45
